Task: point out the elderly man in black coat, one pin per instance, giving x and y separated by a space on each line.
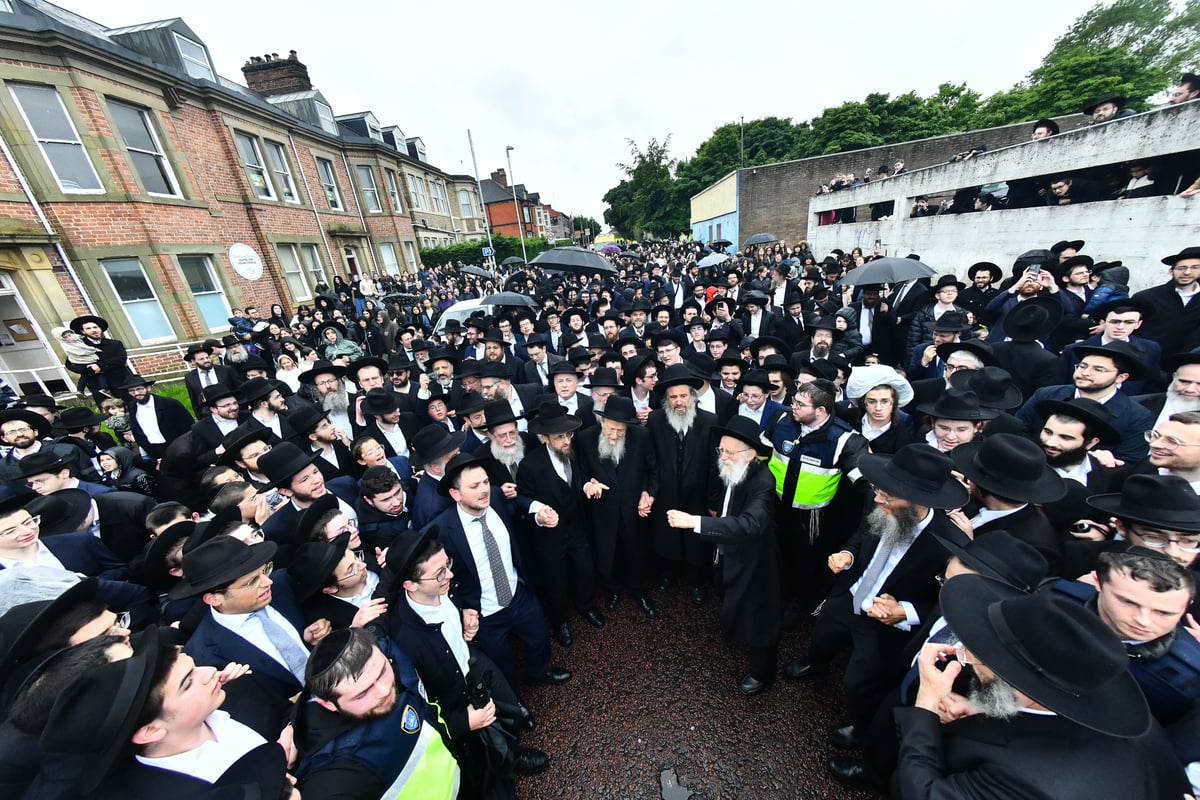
740 522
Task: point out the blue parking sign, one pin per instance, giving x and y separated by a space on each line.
487 252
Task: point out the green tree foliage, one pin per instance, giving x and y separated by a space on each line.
472 252
585 224
650 194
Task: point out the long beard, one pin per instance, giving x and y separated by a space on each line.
820 350
238 357
996 698
336 403
733 474
681 422
1181 403
612 451
896 529
508 456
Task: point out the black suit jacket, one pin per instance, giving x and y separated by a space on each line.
464 587
84 553
529 370
207 437
537 480
173 421
1030 365
223 374
123 522
1031 526
616 509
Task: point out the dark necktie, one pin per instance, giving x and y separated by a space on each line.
504 594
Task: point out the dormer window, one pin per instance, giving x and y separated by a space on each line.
195 58
325 114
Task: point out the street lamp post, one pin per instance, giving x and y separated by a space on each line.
516 206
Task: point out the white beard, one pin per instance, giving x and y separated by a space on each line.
682 423
336 403
237 358
996 698
895 529
732 474
510 456
611 451
1179 403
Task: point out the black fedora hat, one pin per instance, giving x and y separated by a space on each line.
366 361
1176 360
402 555
959 405
552 418
155 560
1055 652
498 412
193 349
745 430
1000 556
78 323
916 473
1185 253
305 418
432 442
564 368
974 346
947 280
1010 466
757 378
1161 501
25 624
452 326
495 336
826 324
229 340
312 563
239 437
453 467
44 461
1043 259
703 366
441 354
282 462
62 512
775 361
992 385
1092 414
1109 97
1048 124
254 390
40 424
1032 319
774 341
1127 357
399 361
469 402
1103 311
721 334
632 367
950 322
322 367
994 269
215 392
619 409
311 515
76 418
605 377
218 563
380 401
677 375
132 381
96 715
671 335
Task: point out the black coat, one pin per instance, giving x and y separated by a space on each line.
225 375
1030 365
123 521
749 561
1030 525
174 421
113 362
683 483
616 509
1175 326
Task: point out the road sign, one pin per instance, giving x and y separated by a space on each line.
487 252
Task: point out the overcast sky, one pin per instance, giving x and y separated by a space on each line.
566 84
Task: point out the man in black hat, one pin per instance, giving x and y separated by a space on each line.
53 531
387 424
156 420
1183 391
983 276
1083 731
267 406
206 371
946 330
740 522
564 385
1107 107
46 473
293 473
399 369
243 447
1160 512
1023 355
945 301
496 384
225 414
825 340
562 559
886 584
315 431
432 448
537 369
1119 321
1171 318
1098 376
332 395
112 361
1073 428
26 433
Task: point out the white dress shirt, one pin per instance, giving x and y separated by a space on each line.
209 761
488 604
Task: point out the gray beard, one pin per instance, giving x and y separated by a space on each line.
238 357
1178 403
896 529
732 474
612 451
511 456
995 699
336 403
682 423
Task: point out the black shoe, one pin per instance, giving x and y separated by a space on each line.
530 761
846 737
798 670
751 685
648 608
553 676
610 602
562 635
594 618
854 772
698 595
525 719
664 583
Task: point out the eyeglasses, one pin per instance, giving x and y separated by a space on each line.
960 654
722 452
327 382
1082 367
259 454
25 429
954 367
359 560
1160 541
1154 437
30 524
252 583
442 573
121 623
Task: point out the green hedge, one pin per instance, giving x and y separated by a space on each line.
472 252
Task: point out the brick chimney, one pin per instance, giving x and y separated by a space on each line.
500 177
270 75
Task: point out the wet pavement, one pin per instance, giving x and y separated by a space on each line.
650 696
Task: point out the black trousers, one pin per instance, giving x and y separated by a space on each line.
563 569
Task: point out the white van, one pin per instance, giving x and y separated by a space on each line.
462 311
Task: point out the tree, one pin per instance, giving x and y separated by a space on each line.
1148 30
652 201
584 224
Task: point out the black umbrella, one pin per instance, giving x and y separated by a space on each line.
511 299
760 238
720 243
517 279
478 271
630 254
574 260
887 270
512 260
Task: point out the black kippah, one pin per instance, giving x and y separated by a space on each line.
328 651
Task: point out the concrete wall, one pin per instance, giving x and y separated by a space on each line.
1138 232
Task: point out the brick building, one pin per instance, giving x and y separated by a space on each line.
137 184
502 211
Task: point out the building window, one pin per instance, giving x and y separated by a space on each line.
329 183
464 202
387 255
252 160
145 151
393 189
370 191
325 114
311 258
6 5
195 58
410 255
277 157
137 297
302 268
206 291
439 198
57 138
416 188
718 230
526 210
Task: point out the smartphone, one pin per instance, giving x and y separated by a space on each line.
878 242
1032 271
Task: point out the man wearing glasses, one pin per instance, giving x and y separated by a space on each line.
1175 448
1172 317
223 419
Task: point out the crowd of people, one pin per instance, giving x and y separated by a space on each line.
314 577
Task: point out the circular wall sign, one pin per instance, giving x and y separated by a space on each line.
246 262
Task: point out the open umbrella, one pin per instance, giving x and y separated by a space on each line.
713 259
575 260
508 262
509 299
887 270
477 271
517 279
760 238
630 254
609 249
720 243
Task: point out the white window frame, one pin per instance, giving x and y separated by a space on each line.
158 153
416 188
310 261
191 64
389 258
393 190
6 5
297 273
42 142
410 256
277 159
157 303
467 208
327 175
218 291
369 188
254 169
325 115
